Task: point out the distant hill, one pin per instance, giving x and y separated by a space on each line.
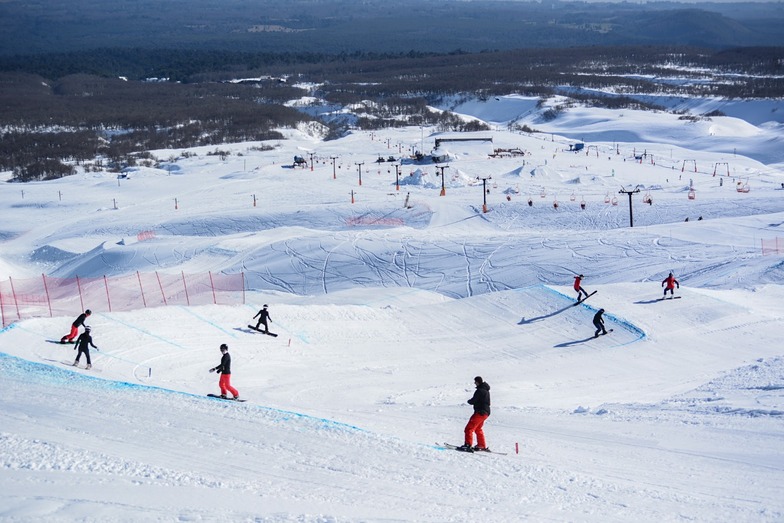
345 26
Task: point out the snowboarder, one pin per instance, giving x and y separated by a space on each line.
78 322
224 369
481 403
263 316
578 287
670 283
83 344
598 322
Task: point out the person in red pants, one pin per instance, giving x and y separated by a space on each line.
78 322
224 369
481 403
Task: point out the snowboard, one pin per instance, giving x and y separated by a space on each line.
457 448
70 364
217 396
670 298
608 332
580 301
261 331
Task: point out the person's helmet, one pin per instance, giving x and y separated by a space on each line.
601 310
265 305
88 311
581 276
87 328
224 346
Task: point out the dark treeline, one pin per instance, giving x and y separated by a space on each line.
80 117
335 26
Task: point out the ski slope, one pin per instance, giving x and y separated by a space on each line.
385 313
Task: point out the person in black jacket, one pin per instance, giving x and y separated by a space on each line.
78 322
263 316
224 369
598 322
481 403
83 344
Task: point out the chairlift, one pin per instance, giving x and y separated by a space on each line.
607 198
582 204
555 204
615 200
530 202
543 194
692 194
573 197
646 198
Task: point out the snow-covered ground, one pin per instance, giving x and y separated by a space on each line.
388 306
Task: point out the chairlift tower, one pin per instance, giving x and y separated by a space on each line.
630 193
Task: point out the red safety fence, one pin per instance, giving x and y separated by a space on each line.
49 297
774 246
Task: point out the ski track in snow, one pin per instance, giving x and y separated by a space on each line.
385 313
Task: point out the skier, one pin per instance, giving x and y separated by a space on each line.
481 403
224 369
598 322
670 283
578 287
83 344
78 322
263 316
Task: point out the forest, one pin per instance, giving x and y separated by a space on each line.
30 27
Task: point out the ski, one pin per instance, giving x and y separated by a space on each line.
217 396
70 364
580 301
457 448
261 331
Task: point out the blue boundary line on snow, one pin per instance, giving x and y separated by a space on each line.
27 367
143 331
8 327
205 320
99 353
624 323
301 337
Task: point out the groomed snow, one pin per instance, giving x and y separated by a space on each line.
385 313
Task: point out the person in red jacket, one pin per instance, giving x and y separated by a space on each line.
481 403
578 287
224 369
669 284
78 322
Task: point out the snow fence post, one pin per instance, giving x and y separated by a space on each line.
106 285
184 286
16 302
2 309
46 290
79 287
163 295
144 301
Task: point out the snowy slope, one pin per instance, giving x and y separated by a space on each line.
385 313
